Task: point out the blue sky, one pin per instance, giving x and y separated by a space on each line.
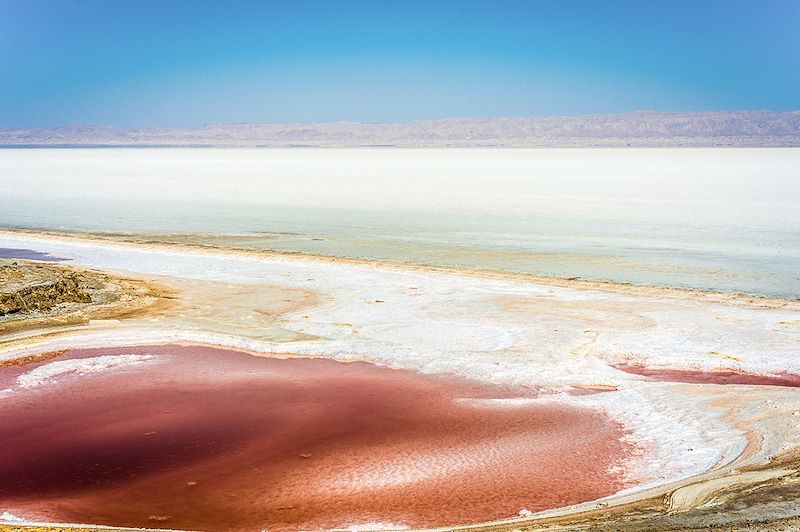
149 63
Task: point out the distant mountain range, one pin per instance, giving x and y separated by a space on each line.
639 128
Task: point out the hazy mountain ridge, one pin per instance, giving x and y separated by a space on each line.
639 128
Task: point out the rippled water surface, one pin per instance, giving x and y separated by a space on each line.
722 219
195 438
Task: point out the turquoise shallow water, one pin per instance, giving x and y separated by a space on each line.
720 219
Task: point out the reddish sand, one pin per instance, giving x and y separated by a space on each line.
719 376
214 439
577 391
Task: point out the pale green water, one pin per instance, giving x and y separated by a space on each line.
721 219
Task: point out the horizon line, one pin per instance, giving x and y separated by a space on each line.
416 120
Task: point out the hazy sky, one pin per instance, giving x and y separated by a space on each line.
142 63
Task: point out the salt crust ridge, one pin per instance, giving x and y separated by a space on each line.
48 372
453 325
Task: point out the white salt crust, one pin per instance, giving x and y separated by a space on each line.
8 517
504 331
47 373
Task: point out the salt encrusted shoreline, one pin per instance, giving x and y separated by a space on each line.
557 335
153 241
49 371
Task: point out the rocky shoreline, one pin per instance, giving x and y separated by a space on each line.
35 294
32 287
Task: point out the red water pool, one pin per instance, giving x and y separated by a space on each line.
214 439
710 376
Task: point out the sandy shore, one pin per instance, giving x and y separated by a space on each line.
702 447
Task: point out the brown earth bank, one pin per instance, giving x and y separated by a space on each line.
35 295
28 288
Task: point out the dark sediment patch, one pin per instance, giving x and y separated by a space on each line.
206 438
714 376
29 254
